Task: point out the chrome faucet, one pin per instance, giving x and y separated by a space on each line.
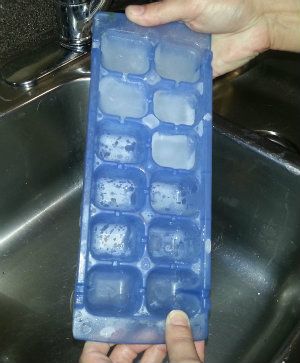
74 19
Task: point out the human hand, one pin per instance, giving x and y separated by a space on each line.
179 345
240 29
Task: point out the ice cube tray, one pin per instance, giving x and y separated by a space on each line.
146 211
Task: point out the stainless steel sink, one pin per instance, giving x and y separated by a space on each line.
267 92
256 248
256 231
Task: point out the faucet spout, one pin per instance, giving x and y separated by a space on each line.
74 19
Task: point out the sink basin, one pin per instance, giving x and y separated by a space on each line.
266 93
256 233
42 146
256 248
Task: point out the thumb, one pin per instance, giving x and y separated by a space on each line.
161 12
180 345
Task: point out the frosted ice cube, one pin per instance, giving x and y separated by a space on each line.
115 193
175 108
123 54
111 239
122 98
179 196
120 148
173 151
178 62
167 198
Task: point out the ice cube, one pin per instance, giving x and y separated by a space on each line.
121 98
177 195
123 54
167 198
178 109
177 62
173 151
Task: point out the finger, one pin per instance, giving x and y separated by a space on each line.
200 349
95 353
126 353
154 354
162 12
179 339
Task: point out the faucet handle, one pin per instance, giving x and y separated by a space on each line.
97 5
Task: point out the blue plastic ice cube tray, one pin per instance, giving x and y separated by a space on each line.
146 212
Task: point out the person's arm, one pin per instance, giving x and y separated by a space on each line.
283 18
241 29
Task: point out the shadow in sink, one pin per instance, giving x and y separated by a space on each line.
256 244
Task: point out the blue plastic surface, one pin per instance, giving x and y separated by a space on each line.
146 211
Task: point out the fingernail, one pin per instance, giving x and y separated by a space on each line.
136 10
178 317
